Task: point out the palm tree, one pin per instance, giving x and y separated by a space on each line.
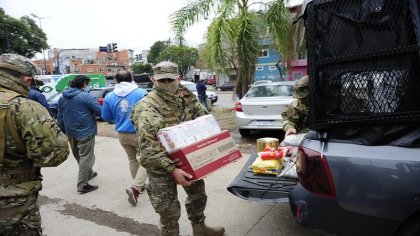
235 24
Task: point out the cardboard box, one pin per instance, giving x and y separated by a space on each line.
206 156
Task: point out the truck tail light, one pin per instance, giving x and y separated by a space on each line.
238 106
314 173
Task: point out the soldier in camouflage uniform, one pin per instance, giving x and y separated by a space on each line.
29 139
169 104
295 116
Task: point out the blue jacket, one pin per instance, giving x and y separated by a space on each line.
118 105
36 95
201 88
76 113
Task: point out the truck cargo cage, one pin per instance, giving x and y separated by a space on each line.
363 61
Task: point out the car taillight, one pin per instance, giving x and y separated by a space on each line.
314 173
238 106
100 101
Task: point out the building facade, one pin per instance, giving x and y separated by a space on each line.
85 61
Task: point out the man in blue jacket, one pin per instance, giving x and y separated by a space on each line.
201 91
36 94
117 109
76 118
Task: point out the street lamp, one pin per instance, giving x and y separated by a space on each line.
43 51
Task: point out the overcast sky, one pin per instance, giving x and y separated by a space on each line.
132 24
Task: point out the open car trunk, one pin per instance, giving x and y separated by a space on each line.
259 187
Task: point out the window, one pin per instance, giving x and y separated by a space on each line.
297 75
259 68
271 91
263 53
109 70
272 68
101 69
90 70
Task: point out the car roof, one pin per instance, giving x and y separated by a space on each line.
186 82
275 83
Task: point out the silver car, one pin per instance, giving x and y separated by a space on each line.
261 107
192 87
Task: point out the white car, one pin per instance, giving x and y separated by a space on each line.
261 107
191 86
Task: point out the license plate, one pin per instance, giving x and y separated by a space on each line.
265 122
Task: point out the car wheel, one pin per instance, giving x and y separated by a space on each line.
245 132
410 228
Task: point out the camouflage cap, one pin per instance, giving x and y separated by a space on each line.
301 87
165 70
18 63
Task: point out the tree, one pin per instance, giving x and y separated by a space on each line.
235 13
140 68
184 56
21 36
156 48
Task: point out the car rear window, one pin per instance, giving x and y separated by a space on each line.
270 91
96 93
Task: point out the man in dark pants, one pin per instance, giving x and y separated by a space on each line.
201 91
29 139
76 117
169 104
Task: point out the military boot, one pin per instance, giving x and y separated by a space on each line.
203 230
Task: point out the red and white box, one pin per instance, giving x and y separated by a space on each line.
206 156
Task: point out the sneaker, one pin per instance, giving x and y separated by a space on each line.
88 188
142 189
93 175
133 194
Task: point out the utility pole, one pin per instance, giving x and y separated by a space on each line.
6 32
43 51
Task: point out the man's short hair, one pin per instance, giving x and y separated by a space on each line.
123 76
39 82
79 81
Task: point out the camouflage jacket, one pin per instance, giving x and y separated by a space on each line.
295 116
158 110
41 142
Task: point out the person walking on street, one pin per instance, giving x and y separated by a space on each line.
76 117
116 109
29 139
36 94
201 91
295 116
169 104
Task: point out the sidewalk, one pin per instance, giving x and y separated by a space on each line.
239 217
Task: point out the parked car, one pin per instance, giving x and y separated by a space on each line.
261 107
210 80
228 86
192 87
144 81
100 93
344 188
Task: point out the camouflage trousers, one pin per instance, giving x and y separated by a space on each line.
20 215
163 194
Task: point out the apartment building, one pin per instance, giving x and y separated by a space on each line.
85 61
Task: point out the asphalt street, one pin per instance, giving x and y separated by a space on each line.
107 212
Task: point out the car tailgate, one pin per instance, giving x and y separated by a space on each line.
261 188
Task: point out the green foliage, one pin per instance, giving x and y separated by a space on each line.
156 48
24 36
140 68
232 38
184 56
